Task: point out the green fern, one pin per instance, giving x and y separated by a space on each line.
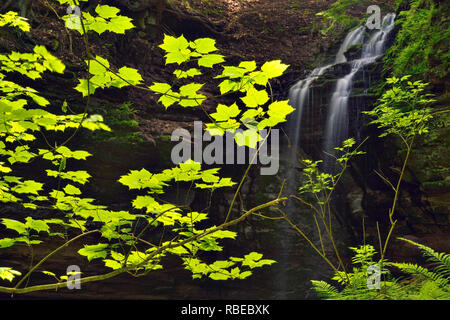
440 259
324 290
440 275
422 283
416 270
431 291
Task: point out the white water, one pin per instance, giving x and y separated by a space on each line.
299 97
336 129
337 125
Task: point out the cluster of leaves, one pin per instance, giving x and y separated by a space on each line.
222 269
127 237
419 284
24 120
12 19
253 112
106 19
402 110
104 77
319 182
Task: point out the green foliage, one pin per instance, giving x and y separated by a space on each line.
321 183
8 274
402 110
336 16
227 269
420 48
12 19
133 240
123 124
422 283
192 56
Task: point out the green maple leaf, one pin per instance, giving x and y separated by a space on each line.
209 60
94 251
232 72
248 65
120 24
80 155
223 182
113 264
223 113
106 11
98 25
178 56
214 129
274 68
98 65
37 225
229 85
169 99
138 179
219 275
192 72
204 45
145 202
38 99
190 89
7 242
9 274
160 87
15 225
173 44
189 95
70 189
280 109
255 98
131 75
28 186
83 87
251 114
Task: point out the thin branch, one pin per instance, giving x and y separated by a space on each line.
385 179
51 254
149 257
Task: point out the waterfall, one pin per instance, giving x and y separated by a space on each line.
299 97
303 98
337 125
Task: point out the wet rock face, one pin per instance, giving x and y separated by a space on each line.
353 52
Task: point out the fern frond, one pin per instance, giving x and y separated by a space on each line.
431 291
416 270
324 290
439 257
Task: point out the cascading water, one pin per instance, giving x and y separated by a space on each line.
336 129
304 99
299 98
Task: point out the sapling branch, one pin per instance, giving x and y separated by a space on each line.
160 250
